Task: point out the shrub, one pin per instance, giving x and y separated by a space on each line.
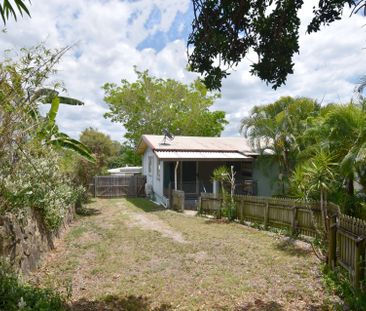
35 181
17 295
338 282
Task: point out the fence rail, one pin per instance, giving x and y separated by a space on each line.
118 186
346 235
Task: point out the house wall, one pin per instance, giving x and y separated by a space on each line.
265 173
152 177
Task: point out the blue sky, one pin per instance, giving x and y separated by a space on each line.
179 29
109 37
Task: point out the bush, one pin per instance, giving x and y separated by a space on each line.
338 282
81 197
30 144
35 181
16 295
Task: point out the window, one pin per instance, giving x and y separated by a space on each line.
247 169
158 170
150 165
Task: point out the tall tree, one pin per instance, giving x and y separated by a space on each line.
150 104
225 31
104 151
125 156
278 128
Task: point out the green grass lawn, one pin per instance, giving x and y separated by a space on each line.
133 255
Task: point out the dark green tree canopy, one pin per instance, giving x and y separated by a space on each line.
100 145
224 31
105 151
150 104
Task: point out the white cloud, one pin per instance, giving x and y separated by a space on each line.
327 68
107 33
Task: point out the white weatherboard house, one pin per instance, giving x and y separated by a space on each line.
187 163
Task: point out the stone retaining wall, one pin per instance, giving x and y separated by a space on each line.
24 242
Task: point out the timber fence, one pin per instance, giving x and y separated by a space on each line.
118 186
346 234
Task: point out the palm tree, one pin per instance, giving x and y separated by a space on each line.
277 128
341 130
315 179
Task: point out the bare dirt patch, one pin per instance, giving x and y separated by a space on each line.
152 222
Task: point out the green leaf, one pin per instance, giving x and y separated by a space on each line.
53 110
70 101
62 140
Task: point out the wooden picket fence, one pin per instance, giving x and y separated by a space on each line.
346 235
118 186
297 216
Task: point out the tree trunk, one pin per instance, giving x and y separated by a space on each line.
323 211
350 187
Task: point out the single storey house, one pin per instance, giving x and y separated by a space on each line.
187 163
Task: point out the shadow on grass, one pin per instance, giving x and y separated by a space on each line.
86 211
146 205
217 221
293 248
260 305
130 303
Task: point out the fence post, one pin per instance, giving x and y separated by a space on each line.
332 242
95 186
199 205
266 215
359 262
242 202
293 220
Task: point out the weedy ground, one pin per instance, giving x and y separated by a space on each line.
130 254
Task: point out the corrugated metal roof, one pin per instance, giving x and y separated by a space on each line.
196 143
199 155
126 170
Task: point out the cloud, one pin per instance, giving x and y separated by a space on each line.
327 68
110 37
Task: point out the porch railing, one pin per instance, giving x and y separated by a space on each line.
193 189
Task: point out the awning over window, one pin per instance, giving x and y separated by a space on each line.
200 156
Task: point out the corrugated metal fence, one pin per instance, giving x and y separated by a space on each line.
118 186
346 236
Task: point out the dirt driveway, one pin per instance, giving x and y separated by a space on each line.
132 255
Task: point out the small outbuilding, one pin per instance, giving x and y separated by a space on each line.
126 170
187 163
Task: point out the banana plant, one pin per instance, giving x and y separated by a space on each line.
48 132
